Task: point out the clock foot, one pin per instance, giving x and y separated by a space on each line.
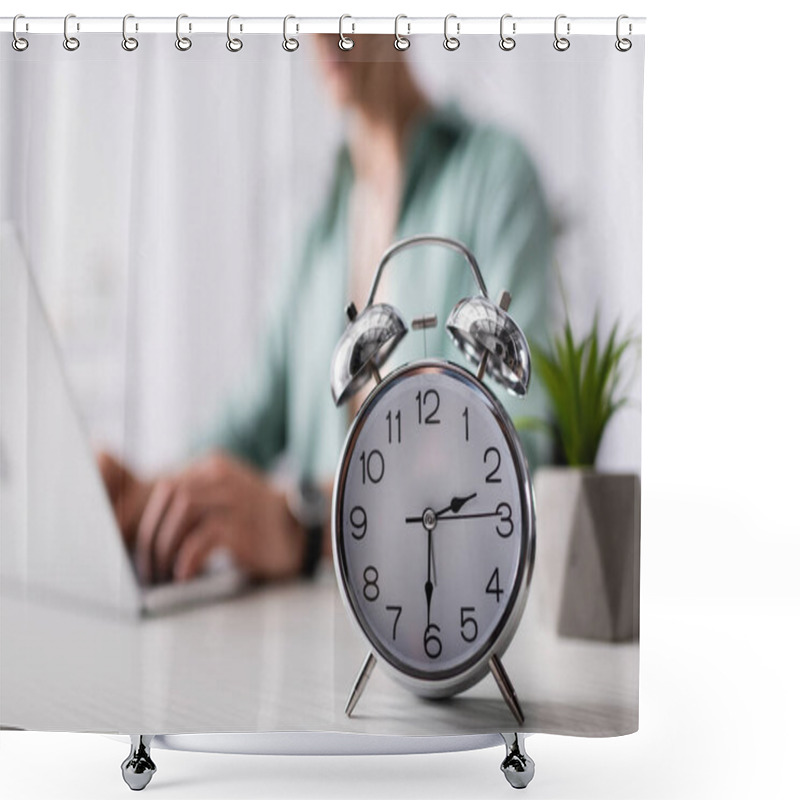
138 768
506 688
360 684
517 766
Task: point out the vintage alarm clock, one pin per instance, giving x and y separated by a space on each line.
433 516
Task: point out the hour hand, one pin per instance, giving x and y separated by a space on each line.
457 503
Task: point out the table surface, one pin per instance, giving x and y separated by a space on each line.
281 658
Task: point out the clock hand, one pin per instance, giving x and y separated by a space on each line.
455 506
428 584
469 516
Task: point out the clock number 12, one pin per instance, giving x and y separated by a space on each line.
422 400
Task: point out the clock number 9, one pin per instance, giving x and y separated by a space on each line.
372 466
433 644
358 519
504 512
371 589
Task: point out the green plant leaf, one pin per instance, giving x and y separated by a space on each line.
581 379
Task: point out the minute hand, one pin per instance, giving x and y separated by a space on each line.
446 517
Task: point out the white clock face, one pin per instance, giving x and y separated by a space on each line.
432 520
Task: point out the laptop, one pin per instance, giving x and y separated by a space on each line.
58 533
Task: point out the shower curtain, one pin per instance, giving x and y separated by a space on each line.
182 230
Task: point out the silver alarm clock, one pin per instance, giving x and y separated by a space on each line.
433 517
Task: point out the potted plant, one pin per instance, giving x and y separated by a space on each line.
588 521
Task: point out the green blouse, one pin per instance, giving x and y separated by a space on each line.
472 182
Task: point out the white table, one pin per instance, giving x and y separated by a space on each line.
281 658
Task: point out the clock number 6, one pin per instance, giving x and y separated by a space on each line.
371 589
470 623
433 644
372 466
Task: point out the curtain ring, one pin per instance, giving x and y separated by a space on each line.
623 44
451 43
507 42
345 42
561 43
71 43
401 42
233 45
183 43
290 44
129 43
17 42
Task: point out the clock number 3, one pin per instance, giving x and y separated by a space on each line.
504 512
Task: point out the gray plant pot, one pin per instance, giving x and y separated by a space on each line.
586 577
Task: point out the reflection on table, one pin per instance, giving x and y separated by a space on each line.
281 658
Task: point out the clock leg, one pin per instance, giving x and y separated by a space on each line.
506 688
360 684
517 766
138 768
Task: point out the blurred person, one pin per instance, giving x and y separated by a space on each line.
407 167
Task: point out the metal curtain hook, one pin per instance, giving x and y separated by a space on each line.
345 42
183 43
290 44
129 43
507 42
71 43
451 42
234 45
623 44
17 42
401 42
561 43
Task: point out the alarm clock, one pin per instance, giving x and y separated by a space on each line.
433 518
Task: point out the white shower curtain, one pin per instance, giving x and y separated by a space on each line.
157 173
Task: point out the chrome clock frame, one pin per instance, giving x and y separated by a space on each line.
475 668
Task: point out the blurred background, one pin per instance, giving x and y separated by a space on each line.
138 184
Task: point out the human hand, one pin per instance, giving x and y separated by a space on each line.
128 494
216 502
